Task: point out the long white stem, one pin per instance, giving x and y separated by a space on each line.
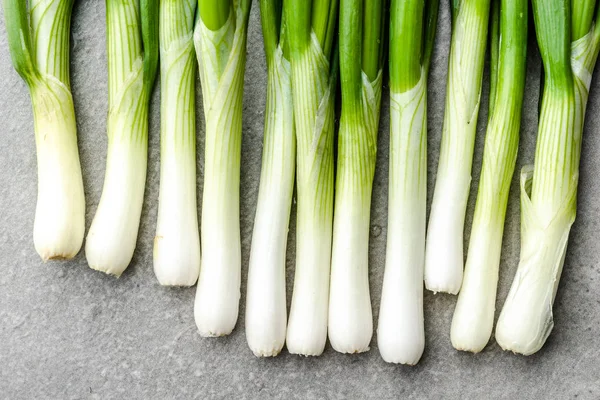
474 313
112 237
266 308
444 250
177 240
401 332
222 58
314 118
60 211
350 314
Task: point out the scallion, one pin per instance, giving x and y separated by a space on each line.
474 314
38 39
444 250
132 50
220 41
569 41
361 28
177 240
401 331
311 27
266 313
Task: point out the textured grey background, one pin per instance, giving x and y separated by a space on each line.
69 332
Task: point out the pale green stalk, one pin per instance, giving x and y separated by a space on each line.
474 314
549 191
314 75
132 50
38 40
177 240
401 330
266 307
220 41
444 251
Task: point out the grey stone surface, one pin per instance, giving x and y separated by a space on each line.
67 332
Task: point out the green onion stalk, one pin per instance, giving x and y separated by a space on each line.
401 332
266 312
361 29
220 41
474 314
132 51
444 250
38 39
311 27
177 240
569 40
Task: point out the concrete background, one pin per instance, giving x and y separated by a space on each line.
69 332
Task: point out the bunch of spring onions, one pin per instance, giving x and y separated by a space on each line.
220 41
38 39
132 41
361 30
177 240
266 313
569 41
444 250
311 28
400 332
474 314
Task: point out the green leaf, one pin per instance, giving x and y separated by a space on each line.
19 38
150 40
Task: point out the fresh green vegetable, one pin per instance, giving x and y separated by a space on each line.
266 313
132 51
362 24
220 40
311 27
569 41
474 314
38 39
177 240
444 250
401 332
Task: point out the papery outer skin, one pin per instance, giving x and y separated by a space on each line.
221 57
444 250
350 315
177 240
526 319
314 119
266 307
60 211
400 331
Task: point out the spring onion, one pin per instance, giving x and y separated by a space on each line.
569 41
177 240
311 27
266 313
132 42
444 250
401 332
220 41
361 30
38 40
474 314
